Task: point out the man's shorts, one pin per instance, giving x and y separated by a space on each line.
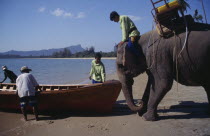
28 100
95 82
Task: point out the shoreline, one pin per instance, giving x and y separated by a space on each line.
112 58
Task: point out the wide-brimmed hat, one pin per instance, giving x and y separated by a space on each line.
4 67
25 68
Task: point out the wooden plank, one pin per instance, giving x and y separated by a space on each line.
7 90
158 1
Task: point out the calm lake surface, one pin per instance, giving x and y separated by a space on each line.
56 71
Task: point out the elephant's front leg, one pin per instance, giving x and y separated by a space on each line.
145 97
158 90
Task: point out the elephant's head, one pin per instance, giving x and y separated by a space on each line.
128 67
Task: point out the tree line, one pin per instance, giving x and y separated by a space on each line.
89 52
66 53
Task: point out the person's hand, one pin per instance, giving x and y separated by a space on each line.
90 77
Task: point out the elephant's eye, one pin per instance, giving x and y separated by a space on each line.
120 66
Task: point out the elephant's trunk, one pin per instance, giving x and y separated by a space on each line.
127 82
127 90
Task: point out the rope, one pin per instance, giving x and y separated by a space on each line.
186 33
204 11
153 49
177 56
177 71
176 61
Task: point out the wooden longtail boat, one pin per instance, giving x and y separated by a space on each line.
88 97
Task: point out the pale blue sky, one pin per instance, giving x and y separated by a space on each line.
44 24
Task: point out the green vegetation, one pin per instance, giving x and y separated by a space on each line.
198 17
89 52
66 53
10 56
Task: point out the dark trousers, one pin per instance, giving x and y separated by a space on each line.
132 46
95 82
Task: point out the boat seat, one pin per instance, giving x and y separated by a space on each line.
55 88
4 87
11 88
47 88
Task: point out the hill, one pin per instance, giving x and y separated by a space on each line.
46 52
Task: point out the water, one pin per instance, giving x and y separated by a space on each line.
56 71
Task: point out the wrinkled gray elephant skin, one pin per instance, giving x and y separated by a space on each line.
163 60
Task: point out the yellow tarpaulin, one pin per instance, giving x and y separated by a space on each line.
172 4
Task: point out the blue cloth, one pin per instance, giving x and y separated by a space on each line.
132 48
95 82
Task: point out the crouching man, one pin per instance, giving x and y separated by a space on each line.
26 89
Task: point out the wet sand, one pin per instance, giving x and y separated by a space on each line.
183 111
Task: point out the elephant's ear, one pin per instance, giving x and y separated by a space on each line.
129 59
125 56
120 54
131 64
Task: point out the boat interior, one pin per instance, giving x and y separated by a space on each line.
12 87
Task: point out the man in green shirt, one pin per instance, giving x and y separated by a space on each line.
97 72
130 33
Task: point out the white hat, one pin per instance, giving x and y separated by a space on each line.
25 68
4 67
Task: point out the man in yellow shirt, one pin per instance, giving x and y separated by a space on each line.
97 72
130 33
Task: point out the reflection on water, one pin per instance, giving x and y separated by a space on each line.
56 71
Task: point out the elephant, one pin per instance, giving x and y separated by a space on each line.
165 60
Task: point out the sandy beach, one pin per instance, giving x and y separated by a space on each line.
182 112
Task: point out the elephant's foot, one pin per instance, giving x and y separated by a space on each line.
141 112
208 111
150 116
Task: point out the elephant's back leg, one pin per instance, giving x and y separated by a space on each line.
207 89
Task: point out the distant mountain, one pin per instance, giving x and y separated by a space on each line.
74 49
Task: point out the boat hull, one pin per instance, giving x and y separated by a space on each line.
88 98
